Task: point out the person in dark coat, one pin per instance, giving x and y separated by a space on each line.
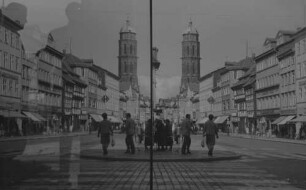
186 129
148 134
169 134
105 131
130 128
210 131
160 135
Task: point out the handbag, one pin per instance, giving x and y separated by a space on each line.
113 141
203 143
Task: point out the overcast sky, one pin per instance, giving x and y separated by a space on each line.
224 27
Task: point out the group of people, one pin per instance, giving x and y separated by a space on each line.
162 134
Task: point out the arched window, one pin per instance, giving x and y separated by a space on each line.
187 50
131 67
187 65
193 53
131 49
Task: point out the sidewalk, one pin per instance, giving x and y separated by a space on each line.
198 154
34 137
275 139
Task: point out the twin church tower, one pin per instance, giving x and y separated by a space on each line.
127 59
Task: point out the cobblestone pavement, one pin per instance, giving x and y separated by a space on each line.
97 174
68 170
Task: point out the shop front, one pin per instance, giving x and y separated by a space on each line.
265 118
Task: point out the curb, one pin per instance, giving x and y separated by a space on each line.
267 139
147 159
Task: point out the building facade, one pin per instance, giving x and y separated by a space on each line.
300 62
267 86
10 75
50 84
206 95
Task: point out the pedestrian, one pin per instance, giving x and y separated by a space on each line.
298 127
130 132
160 135
169 134
148 134
105 131
185 131
210 131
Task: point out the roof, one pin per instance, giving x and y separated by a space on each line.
243 64
127 28
190 29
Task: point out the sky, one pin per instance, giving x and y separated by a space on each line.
224 26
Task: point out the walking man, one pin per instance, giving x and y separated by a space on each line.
130 132
185 130
105 130
210 131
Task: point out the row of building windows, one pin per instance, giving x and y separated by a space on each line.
9 87
10 38
300 47
301 69
192 51
9 62
28 72
238 92
288 99
288 78
287 62
268 102
225 91
49 77
51 59
267 81
266 63
49 99
249 91
301 93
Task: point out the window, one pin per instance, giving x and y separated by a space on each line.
131 49
1 59
193 52
124 49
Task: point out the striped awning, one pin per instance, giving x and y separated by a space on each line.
202 121
31 116
288 118
221 119
278 120
96 117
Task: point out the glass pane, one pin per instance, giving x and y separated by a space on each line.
232 70
64 63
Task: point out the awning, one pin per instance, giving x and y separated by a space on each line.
278 120
288 118
31 116
15 114
299 119
97 118
202 121
114 119
221 119
39 116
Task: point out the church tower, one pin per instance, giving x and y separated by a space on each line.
190 60
127 59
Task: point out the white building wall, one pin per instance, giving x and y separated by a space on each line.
205 92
